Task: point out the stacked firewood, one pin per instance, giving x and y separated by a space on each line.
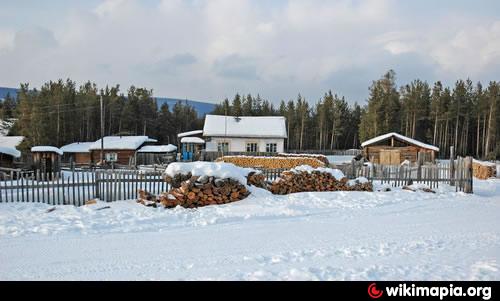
483 170
302 181
322 158
197 192
257 179
271 162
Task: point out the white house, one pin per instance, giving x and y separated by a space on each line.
244 134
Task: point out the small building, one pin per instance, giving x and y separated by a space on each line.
191 145
8 150
156 154
394 148
46 159
78 152
191 148
119 149
252 134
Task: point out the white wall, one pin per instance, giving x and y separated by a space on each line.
240 144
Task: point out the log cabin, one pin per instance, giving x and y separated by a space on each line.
78 152
8 150
119 149
394 148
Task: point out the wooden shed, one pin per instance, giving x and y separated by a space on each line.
8 155
156 154
394 148
46 159
78 152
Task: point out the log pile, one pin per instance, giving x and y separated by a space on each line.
322 158
257 179
293 181
271 162
483 170
197 192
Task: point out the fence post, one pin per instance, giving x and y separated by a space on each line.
468 175
353 168
96 185
452 166
419 165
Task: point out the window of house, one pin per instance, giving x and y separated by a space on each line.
252 147
223 147
271 147
111 157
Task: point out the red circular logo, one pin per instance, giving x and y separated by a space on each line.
373 292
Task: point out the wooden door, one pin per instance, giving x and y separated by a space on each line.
390 157
395 157
385 157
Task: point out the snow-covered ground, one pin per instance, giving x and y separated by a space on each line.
330 235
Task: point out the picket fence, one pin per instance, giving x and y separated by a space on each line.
78 186
75 187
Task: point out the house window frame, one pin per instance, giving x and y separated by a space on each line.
248 143
270 146
220 149
111 154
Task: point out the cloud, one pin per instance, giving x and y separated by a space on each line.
211 49
236 67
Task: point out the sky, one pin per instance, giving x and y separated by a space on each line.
211 49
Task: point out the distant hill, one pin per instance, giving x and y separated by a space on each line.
201 107
5 91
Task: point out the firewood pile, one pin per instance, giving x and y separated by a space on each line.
322 158
197 192
271 162
257 179
483 170
303 181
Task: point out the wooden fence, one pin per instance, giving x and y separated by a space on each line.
77 187
456 173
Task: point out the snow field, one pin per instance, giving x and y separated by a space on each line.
395 235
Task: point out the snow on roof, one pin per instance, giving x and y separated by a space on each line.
158 148
121 142
191 133
40 149
11 141
247 126
11 151
195 140
77 147
484 163
211 169
400 137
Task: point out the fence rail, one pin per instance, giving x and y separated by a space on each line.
75 187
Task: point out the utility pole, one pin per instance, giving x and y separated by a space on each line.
102 131
225 130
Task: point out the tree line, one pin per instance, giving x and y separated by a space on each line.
464 116
60 113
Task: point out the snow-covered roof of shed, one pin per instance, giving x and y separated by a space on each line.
191 133
122 142
400 137
195 140
11 151
11 141
158 149
77 147
245 126
46 149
